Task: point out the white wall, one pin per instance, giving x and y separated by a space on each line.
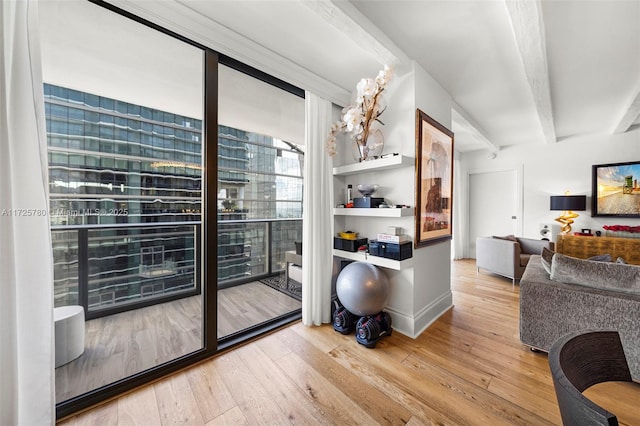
432 271
552 169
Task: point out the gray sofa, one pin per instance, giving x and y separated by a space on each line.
549 309
507 256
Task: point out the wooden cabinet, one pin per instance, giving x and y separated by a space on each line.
584 247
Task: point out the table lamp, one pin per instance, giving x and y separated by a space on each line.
567 204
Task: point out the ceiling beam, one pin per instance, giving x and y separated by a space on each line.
350 21
630 115
529 32
459 116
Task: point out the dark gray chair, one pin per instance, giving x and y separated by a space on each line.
582 359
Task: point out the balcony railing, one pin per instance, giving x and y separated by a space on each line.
114 268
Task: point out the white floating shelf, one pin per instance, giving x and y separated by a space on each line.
375 260
394 162
374 212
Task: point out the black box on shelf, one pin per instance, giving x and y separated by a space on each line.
348 245
367 202
374 248
400 251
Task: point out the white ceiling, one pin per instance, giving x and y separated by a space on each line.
520 71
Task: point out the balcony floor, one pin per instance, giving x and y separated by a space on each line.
120 345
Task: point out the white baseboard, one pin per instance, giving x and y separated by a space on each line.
414 325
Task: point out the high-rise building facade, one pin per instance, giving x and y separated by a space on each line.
126 197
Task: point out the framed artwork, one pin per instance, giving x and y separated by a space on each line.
434 181
615 190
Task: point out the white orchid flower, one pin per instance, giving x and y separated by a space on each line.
331 146
368 106
388 72
353 119
366 88
384 75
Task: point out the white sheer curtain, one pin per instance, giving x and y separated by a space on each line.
317 218
26 276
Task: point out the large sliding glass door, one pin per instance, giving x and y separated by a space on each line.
175 180
124 111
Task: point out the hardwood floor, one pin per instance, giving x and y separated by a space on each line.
468 368
120 345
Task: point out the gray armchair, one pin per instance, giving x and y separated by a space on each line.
507 256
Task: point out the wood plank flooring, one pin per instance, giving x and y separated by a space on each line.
468 368
120 345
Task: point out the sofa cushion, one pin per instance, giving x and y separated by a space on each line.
604 275
546 257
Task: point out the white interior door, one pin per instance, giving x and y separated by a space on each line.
493 205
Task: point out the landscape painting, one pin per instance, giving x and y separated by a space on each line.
616 190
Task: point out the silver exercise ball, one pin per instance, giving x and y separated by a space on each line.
362 288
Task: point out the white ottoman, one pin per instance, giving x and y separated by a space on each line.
69 333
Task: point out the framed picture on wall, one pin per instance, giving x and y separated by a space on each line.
615 190
434 181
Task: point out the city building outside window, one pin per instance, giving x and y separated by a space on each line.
112 162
